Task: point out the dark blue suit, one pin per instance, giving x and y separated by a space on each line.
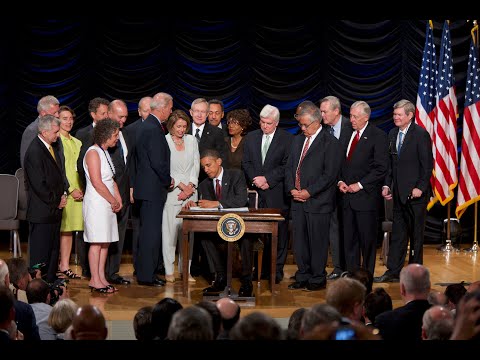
151 182
274 171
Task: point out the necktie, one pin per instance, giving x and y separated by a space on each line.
297 173
164 127
400 142
353 145
197 134
52 153
265 146
120 146
331 130
218 190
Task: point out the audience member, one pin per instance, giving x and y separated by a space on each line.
191 323
162 316
362 275
408 184
437 323
101 203
467 317
19 277
230 312
437 298
61 317
405 322
376 302
142 324
318 322
7 315
212 309
454 292
294 324
89 324
347 295
257 326
310 176
38 295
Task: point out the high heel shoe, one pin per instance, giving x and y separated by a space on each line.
103 290
170 278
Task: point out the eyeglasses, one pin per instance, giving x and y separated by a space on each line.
305 127
196 112
232 122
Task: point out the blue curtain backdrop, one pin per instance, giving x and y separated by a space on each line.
246 63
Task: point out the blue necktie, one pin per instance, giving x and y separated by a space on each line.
400 141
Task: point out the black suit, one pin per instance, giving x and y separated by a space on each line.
212 138
234 194
336 221
403 323
85 135
368 165
122 178
26 321
411 169
150 182
311 219
274 171
45 189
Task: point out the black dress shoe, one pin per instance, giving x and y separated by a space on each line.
119 280
298 285
333 276
386 278
315 287
156 283
246 289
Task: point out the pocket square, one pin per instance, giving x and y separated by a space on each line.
365 137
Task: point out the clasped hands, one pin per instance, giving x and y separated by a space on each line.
260 182
300 195
352 188
186 191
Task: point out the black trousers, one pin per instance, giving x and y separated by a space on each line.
45 246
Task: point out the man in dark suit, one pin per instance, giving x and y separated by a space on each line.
131 131
208 137
98 110
224 188
361 176
408 183
340 127
405 322
265 155
310 176
216 112
151 182
46 196
121 157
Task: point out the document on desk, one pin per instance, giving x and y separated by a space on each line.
240 209
198 208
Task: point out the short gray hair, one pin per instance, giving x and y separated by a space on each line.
46 102
45 123
364 106
271 112
160 100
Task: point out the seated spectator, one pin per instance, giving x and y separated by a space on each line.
230 312
376 303
142 324
162 316
61 316
437 298
191 323
7 315
437 323
347 295
38 295
214 313
318 322
294 324
257 326
89 324
467 317
454 292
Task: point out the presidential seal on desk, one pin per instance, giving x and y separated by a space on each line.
230 227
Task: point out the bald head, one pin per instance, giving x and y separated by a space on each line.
437 323
227 307
89 324
414 282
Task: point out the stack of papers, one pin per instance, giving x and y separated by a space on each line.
240 209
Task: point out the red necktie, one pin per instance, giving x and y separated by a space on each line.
218 190
353 145
297 173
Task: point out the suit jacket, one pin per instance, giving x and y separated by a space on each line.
45 184
212 138
413 168
368 165
26 321
152 178
318 172
273 168
346 131
122 168
234 189
403 323
85 135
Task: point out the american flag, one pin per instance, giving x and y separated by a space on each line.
425 110
469 186
445 127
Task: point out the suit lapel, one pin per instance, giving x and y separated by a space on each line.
257 145
225 183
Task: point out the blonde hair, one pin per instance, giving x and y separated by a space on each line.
62 314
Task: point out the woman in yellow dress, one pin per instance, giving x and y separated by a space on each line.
72 218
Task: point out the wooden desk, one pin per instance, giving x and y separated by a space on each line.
258 221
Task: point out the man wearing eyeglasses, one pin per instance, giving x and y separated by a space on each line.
364 168
310 176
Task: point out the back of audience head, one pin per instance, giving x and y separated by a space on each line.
437 298
62 314
362 275
467 317
454 292
215 315
295 323
377 302
38 292
318 321
437 323
474 286
414 282
191 323
7 310
230 312
162 316
142 323
257 326
347 295
19 274
89 324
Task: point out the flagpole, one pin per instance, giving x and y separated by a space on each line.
448 242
